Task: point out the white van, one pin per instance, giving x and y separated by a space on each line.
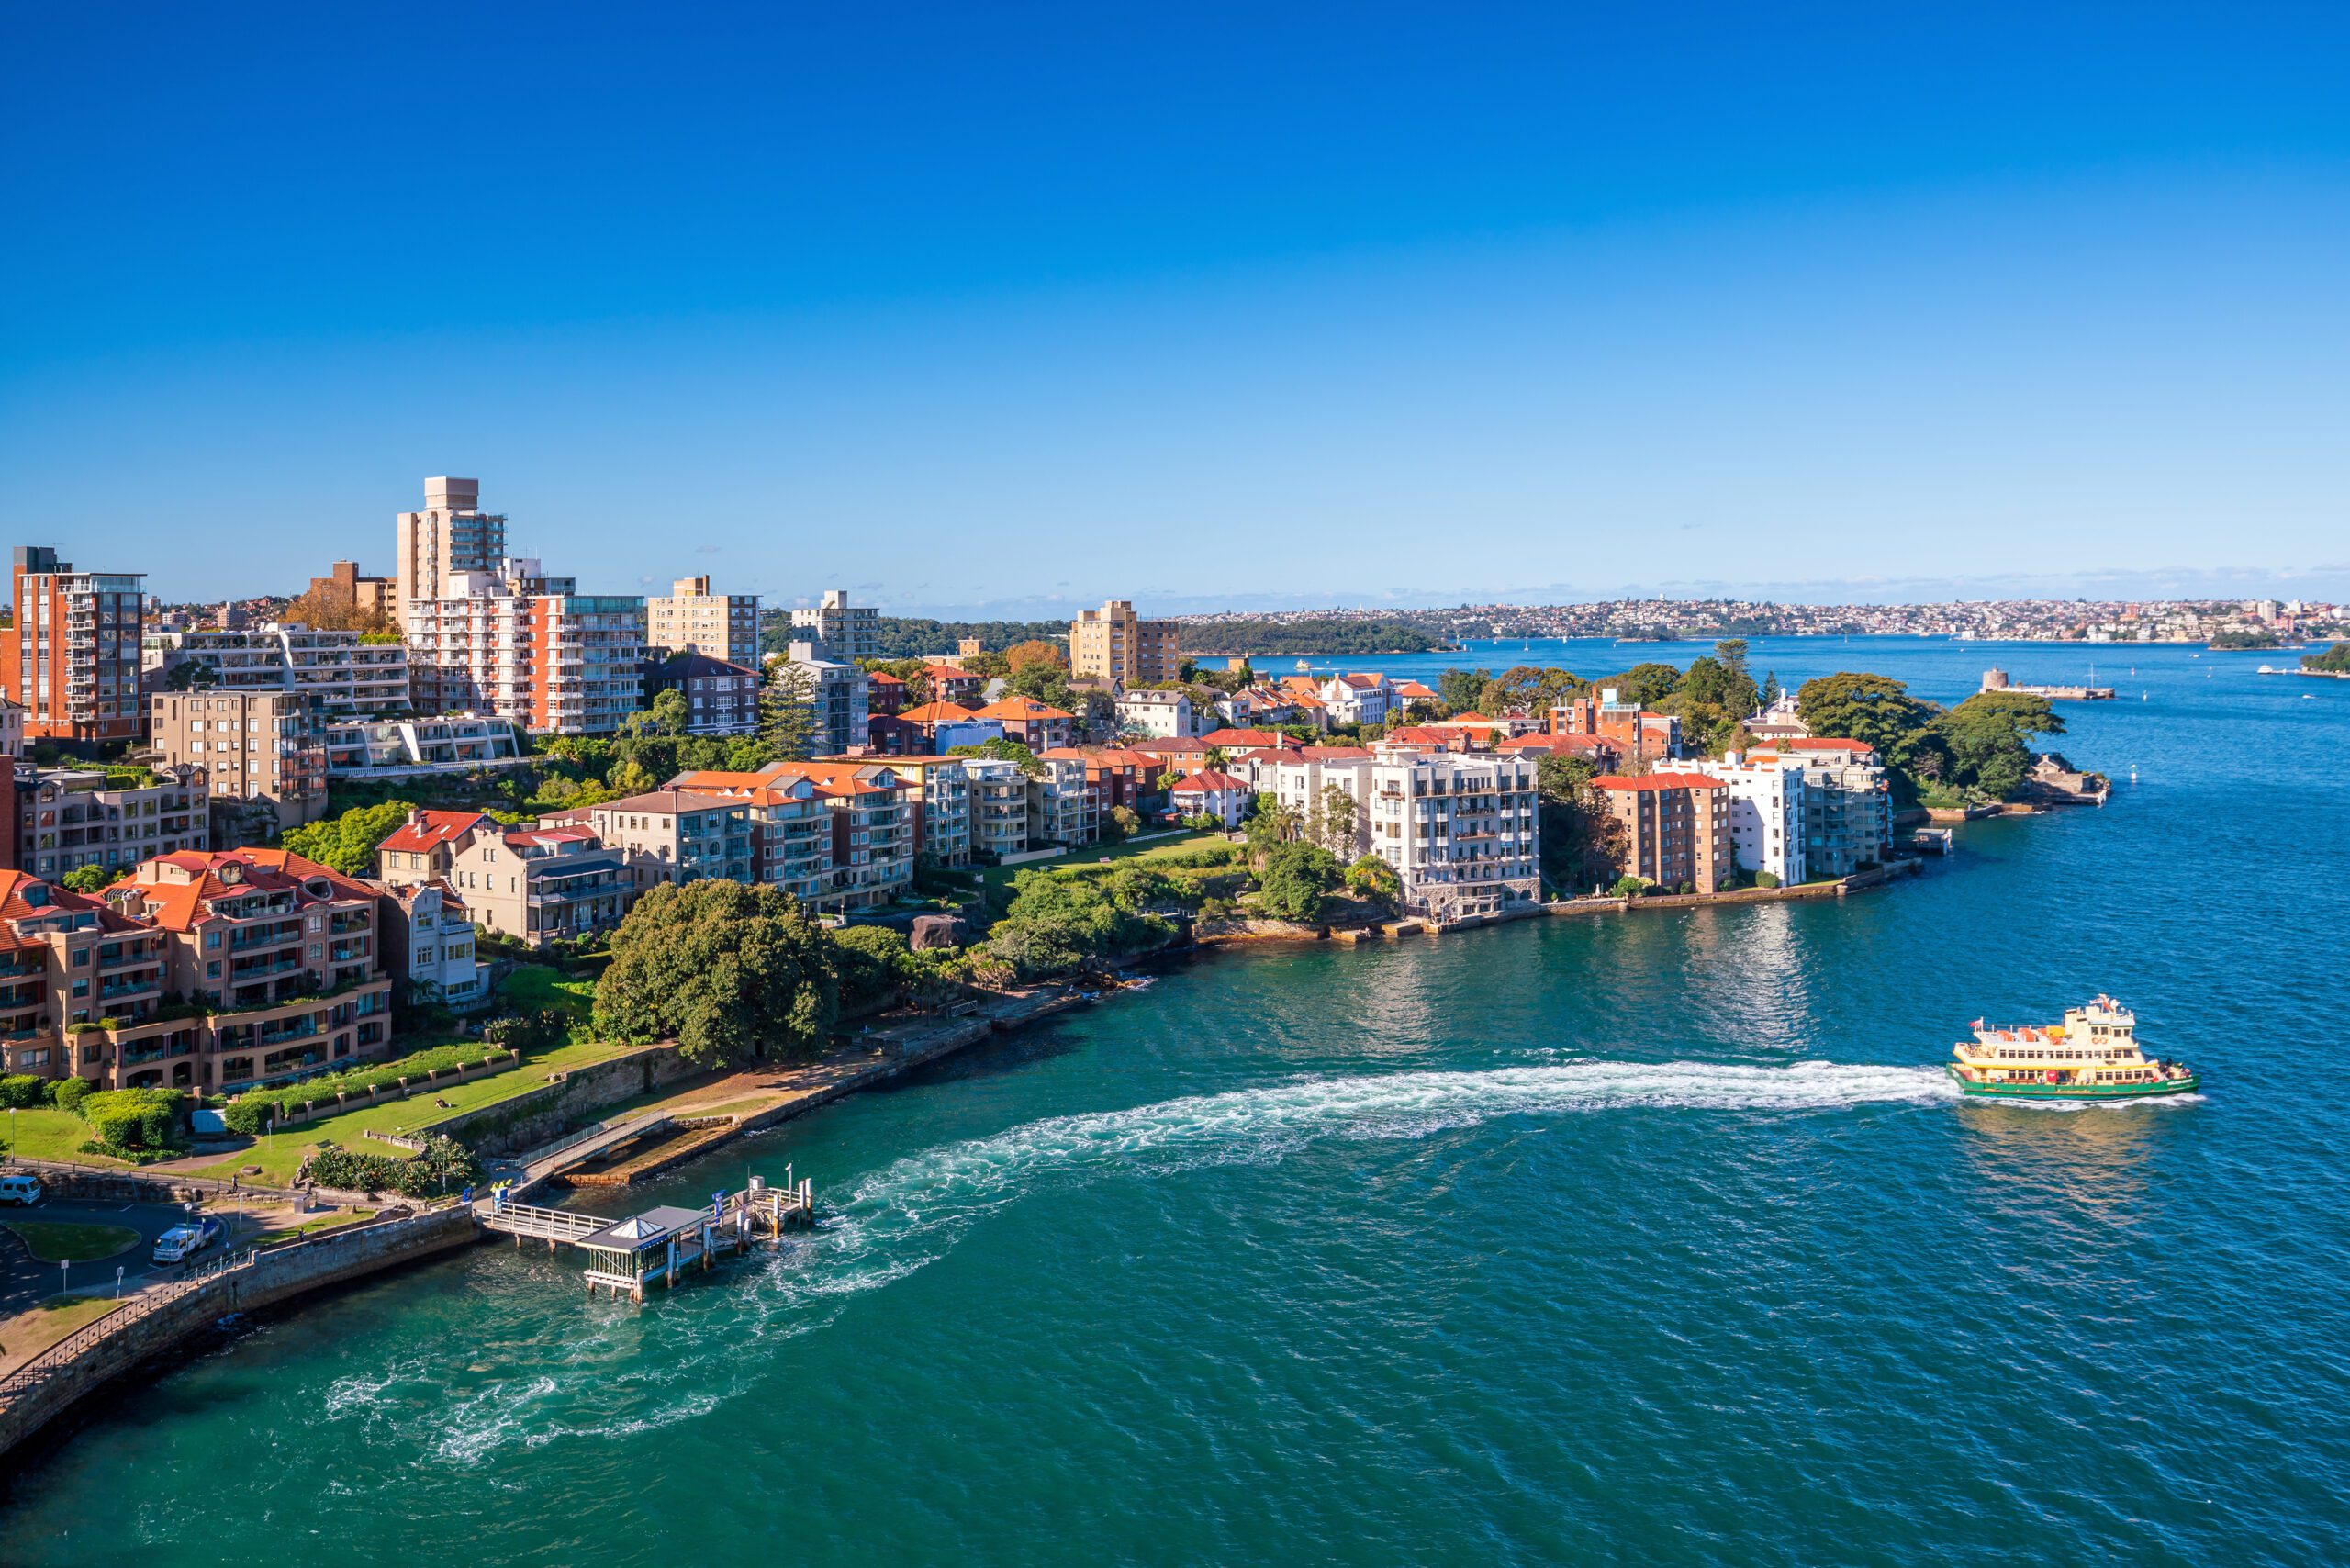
20 1188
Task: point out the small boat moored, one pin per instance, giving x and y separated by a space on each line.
2093 1054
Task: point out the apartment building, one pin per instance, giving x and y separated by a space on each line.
953 683
1675 828
1039 726
1608 715
941 725
1848 802
1213 793
677 835
938 794
263 754
871 853
542 884
721 697
450 537
692 620
1358 699
1462 832
445 743
426 935
110 818
278 954
1061 804
885 694
839 630
71 658
424 848
999 807
837 694
525 646
1113 643
1156 715
1768 808
12 725
343 588
351 675
791 826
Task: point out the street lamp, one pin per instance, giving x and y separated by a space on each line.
118 1282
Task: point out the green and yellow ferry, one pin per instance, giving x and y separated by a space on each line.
2092 1055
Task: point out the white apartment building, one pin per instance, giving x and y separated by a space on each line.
692 620
999 806
1156 715
427 940
1767 810
445 743
838 629
1061 807
528 647
12 728
841 695
1462 832
452 534
1359 699
1298 782
939 790
1848 808
352 674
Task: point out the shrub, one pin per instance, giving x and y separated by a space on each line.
67 1093
1766 879
256 1106
136 1118
443 1165
527 1031
1629 887
22 1091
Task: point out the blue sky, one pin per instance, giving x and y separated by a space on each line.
1017 308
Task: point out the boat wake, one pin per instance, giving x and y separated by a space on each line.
911 1213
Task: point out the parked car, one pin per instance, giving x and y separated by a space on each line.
21 1187
183 1241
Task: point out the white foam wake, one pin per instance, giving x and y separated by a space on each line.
910 1214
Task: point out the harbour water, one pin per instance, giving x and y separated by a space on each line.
1654 1238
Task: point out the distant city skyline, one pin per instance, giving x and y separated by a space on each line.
1035 308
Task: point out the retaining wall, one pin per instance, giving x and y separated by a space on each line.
144 1329
530 1119
439 1077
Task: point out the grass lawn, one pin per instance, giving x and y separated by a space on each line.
28 1334
732 1107
533 985
1092 853
50 1135
335 1221
64 1241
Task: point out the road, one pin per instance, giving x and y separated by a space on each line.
24 1283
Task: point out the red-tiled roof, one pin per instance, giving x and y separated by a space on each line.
1022 710
938 713
1231 737
1205 780
882 678
427 830
1414 690
1332 753
1820 742
1659 781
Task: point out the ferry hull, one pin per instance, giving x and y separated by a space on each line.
2073 1092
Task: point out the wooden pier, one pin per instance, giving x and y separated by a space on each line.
657 1245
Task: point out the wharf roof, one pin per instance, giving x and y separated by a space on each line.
638 1232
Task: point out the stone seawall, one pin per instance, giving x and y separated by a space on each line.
155 1324
576 1098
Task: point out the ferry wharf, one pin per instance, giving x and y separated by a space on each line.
659 1245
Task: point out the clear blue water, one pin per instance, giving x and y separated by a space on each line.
1651 1238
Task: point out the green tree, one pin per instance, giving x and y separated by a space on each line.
1875 709
1646 684
630 777
666 714
1730 652
1460 690
90 879
1987 740
1119 825
1334 821
874 962
1003 750
1295 879
733 972
1377 880
787 710
1772 691
2335 660
1271 824
347 843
